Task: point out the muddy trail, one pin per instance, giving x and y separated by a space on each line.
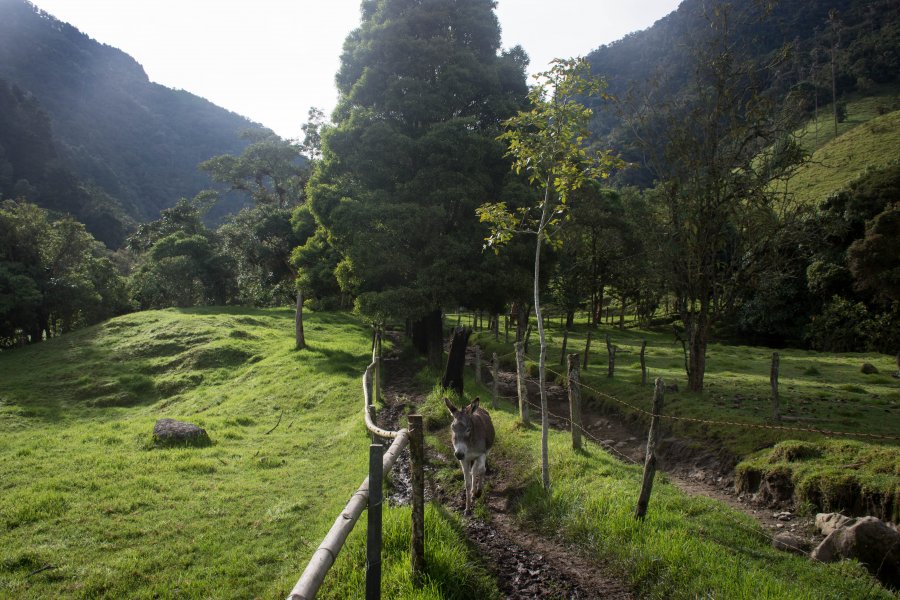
528 565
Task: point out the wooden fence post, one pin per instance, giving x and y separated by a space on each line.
527 337
773 379
650 461
377 379
643 363
562 357
477 364
575 401
611 351
496 384
520 383
373 529
417 468
506 327
587 349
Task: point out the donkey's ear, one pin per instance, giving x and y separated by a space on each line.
474 406
453 410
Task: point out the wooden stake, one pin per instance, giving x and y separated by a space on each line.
587 349
562 358
650 461
496 385
417 468
373 527
643 363
611 351
575 401
520 383
773 379
477 364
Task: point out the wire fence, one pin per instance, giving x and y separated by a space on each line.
717 422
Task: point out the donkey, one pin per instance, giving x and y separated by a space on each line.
473 436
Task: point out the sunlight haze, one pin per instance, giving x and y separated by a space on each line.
271 60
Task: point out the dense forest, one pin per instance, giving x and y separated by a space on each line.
84 131
377 209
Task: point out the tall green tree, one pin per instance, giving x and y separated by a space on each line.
423 90
719 153
548 143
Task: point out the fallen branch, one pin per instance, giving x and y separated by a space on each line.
44 568
276 424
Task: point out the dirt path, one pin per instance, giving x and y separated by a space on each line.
527 565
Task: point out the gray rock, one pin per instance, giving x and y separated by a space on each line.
872 542
829 522
790 542
170 431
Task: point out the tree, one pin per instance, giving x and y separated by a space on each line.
260 238
179 261
412 149
547 143
718 153
874 260
54 276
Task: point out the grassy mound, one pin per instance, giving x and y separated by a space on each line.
845 476
91 507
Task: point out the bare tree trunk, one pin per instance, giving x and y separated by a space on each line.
299 338
453 374
697 344
542 362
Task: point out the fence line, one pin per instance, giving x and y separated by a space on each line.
323 558
731 423
715 506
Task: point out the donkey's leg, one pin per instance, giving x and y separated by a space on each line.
467 476
479 468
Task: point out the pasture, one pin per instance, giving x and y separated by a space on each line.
89 507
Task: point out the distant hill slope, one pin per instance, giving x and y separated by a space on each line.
138 141
867 55
866 140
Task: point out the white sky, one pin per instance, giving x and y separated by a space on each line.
271 60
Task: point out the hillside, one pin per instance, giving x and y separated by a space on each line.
866 36
90 502
866 140
137 141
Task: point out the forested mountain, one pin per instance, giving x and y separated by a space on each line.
858 39
124 144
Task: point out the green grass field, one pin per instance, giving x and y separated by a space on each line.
818 392
90 508
687 547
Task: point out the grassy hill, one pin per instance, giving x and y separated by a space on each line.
868 138
89 507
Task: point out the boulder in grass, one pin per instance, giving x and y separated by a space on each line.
829 522
790 542
870 541
169 432
869 369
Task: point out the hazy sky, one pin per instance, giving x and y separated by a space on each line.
271 60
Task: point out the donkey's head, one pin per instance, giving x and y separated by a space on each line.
463 428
